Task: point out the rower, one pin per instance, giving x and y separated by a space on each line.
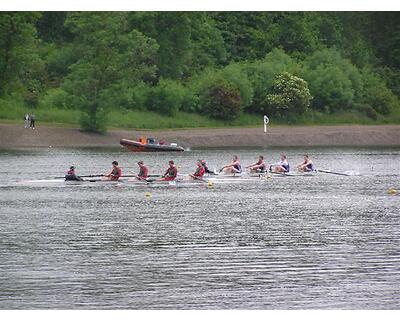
306 165
115 172
199 173
206 170
282 166
143 171
233 167
259 166
71 175
171 172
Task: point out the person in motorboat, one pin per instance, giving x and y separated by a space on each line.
71 175
307 165
171 173
259 166
232 168
282 166
115 172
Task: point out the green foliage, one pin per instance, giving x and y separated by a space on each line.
376 94
289 95
222 100
334 81
166 98
19 60
55 98
97 63
111 59
262 74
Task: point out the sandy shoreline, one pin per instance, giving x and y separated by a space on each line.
15 136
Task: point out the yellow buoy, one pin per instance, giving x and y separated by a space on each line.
148 194
392 191
210 184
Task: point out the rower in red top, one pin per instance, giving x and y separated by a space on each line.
199 173
143 171
115 173
171 172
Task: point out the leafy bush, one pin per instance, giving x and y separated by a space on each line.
290 95
262 74
371 113
55 98
222 101
94 120
235 75
377 94
334 82
166 98
232 78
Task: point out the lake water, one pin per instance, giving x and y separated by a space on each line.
321 242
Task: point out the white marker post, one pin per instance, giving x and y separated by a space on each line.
266 121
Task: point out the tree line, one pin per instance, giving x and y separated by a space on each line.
219 64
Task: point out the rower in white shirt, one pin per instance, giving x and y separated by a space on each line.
282 166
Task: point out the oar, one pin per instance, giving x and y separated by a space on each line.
333 172
86 176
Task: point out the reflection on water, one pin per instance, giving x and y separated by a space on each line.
283 243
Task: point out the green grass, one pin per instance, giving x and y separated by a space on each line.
13 111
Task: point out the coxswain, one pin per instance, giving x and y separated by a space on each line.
115 173
233 167
143 171
306 165
259 166
71 175
282 166
199 173
171 172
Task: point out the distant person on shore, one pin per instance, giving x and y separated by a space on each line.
27 120
282 166
143 171
307 165
115 172
233 167
32 119
71 175
258 166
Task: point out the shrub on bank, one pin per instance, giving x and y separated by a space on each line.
262 74
377 94
222 100
334 81
289 95
166 97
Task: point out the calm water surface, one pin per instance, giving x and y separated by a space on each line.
326 242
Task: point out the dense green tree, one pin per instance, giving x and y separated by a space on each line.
20 64
111 60
166 61
262 74
334 81
222 101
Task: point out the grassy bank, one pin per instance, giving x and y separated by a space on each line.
13 111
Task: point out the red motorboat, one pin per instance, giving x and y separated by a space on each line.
149 145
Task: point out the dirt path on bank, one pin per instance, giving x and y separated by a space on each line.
15 136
